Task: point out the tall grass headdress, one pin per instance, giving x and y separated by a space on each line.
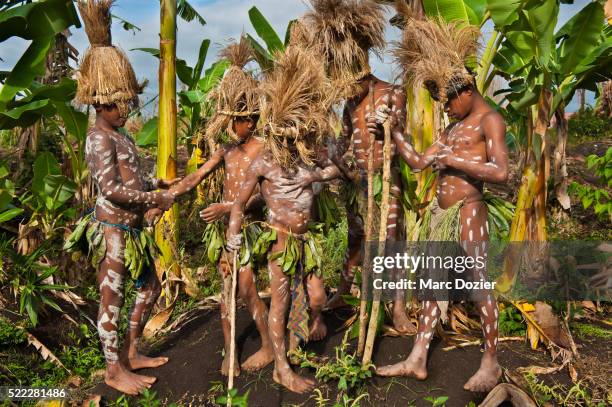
295 107
105 75
237 94
345 31
436 54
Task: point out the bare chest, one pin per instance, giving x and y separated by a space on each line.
467 141
360 137
128 161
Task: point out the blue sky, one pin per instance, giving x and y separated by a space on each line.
225 19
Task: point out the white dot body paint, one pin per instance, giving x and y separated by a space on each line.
484 311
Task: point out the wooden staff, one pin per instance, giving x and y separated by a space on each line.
232 349
382 239
367 255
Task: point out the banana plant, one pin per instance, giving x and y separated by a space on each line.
272 41
544 69
38 22
31 281
193 106
8 210
47 200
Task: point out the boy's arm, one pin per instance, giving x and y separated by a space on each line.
256 201
234 237
414 159
218 210
341 145
495 170
104 171
192 180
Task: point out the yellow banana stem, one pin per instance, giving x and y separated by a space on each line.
166 232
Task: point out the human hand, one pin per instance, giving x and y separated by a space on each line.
443 158
296 185
234 242
215 211
376 120
152 216
164 200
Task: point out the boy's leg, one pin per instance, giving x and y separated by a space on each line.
281 298
145 300
111 273
475 237
226 273
415 364
248 292
401 322
317 297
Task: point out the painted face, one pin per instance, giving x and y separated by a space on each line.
243 127
458 107
112 115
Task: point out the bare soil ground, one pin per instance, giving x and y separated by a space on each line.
195 359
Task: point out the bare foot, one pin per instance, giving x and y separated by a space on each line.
486 377
318 329
119 378
411 367
260 359
225 366
293 381
139 361
401 323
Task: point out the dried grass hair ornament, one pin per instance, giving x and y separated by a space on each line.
345 31
436 54
105 75
295 107
237 94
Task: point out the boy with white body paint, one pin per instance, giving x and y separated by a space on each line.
237 113
344 32
471 151
295 113
125 199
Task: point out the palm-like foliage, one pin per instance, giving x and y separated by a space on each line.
29 280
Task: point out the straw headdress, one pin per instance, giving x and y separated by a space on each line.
105 75
345 31
295 107
237 94
435 53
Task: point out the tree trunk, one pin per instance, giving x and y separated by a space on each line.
559 159
529 222
542 164
166 232
421 123
581 99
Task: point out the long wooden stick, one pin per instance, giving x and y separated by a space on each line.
365 273
232 349
382 239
